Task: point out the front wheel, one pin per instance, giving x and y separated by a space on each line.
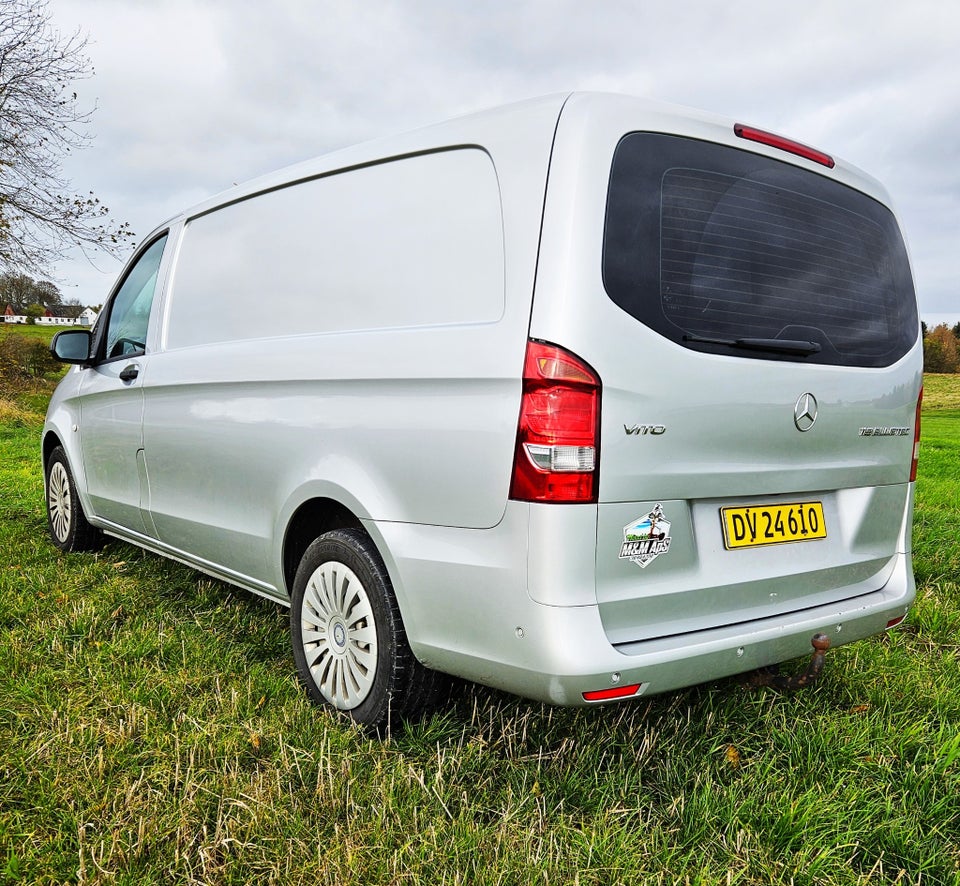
348 639
68 524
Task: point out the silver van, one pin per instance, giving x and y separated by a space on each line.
585 398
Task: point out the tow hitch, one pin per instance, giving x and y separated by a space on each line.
772 677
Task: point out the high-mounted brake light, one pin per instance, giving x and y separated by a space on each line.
916 439
784 144
558 433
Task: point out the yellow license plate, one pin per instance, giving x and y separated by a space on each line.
758 525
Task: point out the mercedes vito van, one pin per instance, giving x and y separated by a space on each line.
585 398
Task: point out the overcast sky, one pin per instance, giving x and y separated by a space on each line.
194 95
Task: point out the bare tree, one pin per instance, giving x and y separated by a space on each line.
40 123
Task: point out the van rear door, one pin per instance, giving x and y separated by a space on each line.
755 330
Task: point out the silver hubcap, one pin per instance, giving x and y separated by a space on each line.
59 501
339 635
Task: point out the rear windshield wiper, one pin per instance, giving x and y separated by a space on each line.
777 345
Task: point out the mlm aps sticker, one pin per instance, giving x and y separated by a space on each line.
646 539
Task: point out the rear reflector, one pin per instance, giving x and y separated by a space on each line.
558 432
784 144
895 621
916 439
612 693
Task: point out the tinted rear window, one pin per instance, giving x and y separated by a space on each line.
707 241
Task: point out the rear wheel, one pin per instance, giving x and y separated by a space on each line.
348 639
67 522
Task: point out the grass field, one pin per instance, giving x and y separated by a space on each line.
45 333
152 731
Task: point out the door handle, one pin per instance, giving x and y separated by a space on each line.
129 373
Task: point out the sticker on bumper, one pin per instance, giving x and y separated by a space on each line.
646 538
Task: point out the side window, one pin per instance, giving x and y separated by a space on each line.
126 333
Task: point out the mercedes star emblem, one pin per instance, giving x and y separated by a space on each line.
805 412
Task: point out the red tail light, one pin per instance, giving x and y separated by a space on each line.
916 439
784 144
558 435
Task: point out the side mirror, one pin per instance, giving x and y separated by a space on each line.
72 346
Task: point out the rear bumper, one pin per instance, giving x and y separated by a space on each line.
566 653
476 620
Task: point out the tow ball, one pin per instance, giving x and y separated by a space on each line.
772 676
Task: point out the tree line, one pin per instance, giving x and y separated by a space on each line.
941 348
21 290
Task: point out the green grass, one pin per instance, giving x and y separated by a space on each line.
152 731
44 333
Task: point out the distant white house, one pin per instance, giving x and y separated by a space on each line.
11 316
67 315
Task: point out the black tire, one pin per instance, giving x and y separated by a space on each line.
349 642
66 520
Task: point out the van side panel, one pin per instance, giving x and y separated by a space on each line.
343 329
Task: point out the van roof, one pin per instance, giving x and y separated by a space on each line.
527 124
525 119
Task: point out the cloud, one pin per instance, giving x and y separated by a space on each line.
193 96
